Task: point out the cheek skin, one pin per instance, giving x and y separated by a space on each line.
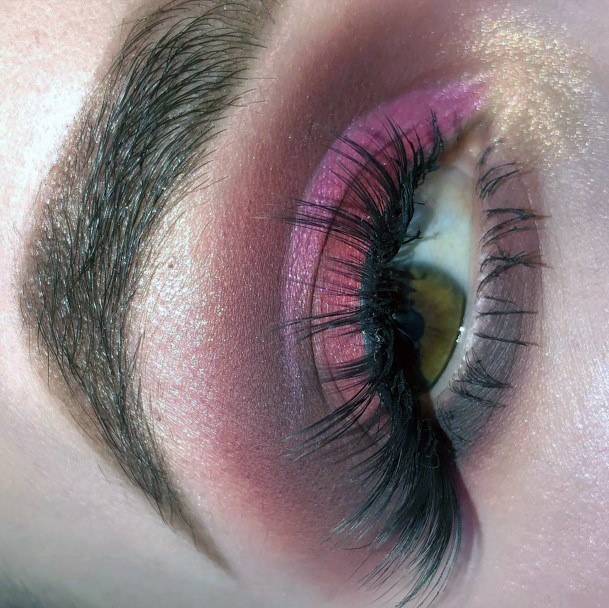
230 388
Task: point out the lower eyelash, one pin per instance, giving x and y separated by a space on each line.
412 511
501 325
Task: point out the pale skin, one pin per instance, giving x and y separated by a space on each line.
73 529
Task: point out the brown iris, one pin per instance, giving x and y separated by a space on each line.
431 317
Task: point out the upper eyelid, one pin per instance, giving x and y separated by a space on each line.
346 219
141 140
384 513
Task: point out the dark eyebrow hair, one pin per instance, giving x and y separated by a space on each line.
129 158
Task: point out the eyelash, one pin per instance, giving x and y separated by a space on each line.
412 506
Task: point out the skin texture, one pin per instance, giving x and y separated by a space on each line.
220 384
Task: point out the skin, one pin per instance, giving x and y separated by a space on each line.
73 529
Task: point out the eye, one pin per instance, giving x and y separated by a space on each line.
433 274
427 272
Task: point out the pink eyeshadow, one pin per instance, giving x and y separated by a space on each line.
453 106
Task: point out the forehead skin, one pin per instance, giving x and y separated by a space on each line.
73 528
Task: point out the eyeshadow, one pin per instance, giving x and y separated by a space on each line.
453 105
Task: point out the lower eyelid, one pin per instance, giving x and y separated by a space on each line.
496 354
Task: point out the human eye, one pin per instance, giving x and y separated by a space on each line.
380 336
419 281
337 374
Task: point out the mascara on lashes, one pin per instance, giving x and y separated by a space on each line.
413 512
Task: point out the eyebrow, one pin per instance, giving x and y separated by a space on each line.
130 158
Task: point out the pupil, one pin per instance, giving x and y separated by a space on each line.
411 324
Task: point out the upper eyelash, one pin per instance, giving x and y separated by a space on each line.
412 499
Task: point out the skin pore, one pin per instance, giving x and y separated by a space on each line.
218 381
